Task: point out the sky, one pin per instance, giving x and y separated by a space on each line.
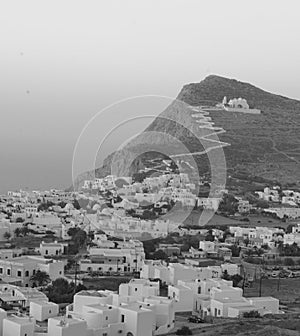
62 62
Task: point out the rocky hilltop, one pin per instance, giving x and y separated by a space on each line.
265 145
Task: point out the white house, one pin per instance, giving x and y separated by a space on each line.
18 326
52 249
19 270
126 256
43 310
21 295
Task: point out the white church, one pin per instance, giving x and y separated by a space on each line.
237 105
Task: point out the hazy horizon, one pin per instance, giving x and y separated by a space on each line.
62 62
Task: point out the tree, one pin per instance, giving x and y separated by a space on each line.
210 236
236 279
289 262
229 204
149 247
225 275
17 232
7 235
60 285
78 236
235 250
76 204
41 278
160 255
44 206
24 231
246 241
61 291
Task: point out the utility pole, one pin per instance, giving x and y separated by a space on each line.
260 283
260 280
75 277
244 280
136 262
76 271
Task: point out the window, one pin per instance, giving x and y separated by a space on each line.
46 252
26 273
122 318
8 271
135 289
50 311
1 270
106 318
19 273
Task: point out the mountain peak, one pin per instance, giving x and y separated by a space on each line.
213 88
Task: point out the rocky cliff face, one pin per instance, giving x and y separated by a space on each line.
265 145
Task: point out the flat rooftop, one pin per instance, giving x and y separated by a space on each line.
262 298
230 300
27 260
21 320
67 321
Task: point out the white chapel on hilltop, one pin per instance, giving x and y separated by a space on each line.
237 105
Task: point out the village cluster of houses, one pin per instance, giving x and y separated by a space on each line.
257 237
195 284
157 190
137 309
108 256
19 208
288 202
106 210
289 197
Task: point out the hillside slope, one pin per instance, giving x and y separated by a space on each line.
265 145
